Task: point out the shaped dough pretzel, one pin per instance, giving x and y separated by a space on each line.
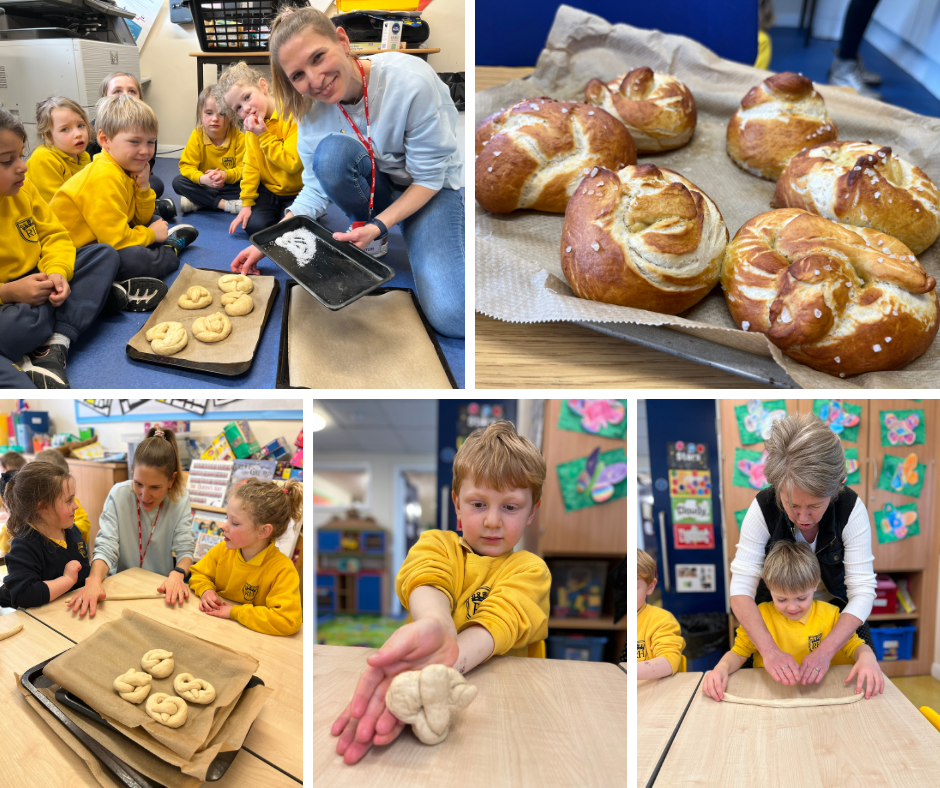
193 690
235 283
790 703
237 304
167 709
429 699
196 297
133 686
167 338
212 328
158 663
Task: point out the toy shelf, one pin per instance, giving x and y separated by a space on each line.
604 622
894 616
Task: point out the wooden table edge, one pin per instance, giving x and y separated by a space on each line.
675 732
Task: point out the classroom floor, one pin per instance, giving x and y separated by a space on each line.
99 360
920 690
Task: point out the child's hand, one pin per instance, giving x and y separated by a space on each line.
255 125
246 262
218 178
869 676
143 178
242 219
210 601
206 179
72 568
224 610
715 683
57 297
160 230
33 290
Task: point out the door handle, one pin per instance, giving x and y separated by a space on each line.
662 541
874 483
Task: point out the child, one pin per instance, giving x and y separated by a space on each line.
12 461
111 202
49 293
272 174
211 164
659 644
62 126
248 568
470 597
796 622
47 557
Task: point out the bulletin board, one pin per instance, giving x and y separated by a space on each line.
115 410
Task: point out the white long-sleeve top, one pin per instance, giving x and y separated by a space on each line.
118 543
748 563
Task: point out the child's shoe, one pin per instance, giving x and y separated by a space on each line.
46 367
188 206
140 294
180 237
233 206
166 208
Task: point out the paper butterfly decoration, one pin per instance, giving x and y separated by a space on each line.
850 466
599 479
760 420
901 430
754 470
895 522
836 417
906 475
598 413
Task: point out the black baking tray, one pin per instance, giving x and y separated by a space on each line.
33 680
339 272
283 360
213 369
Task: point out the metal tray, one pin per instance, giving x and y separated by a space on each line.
339 272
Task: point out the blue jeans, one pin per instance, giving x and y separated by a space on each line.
434 235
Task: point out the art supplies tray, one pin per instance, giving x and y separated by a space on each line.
374 344
338 272
234 354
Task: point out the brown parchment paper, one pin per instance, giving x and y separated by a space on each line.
518 264
238 347
89 668
377 342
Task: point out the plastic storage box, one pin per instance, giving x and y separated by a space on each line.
578 588
577 647
893 643
243 26
886 595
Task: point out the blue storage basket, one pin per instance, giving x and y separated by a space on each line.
576 647
893 643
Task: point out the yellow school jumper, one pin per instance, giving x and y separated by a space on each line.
81 522
267 587
272 159
658 635
508 594
201 154
48 168
798 638
32 237
101 203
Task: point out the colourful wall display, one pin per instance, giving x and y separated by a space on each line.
749 469
697 484
604 417
894 523
902 475
756 419
843 418
853 470
902 427
593 480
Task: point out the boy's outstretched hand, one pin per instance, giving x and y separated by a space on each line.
868 676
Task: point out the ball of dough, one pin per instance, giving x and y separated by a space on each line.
212 328
237 304
429 700
167 709
158 663
167 338
193 690
236 283
133 686
196 297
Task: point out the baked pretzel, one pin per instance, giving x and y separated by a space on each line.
237 303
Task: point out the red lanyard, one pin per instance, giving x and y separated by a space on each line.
140 532
363 140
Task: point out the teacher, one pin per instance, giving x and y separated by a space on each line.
377 139
806 502
146 520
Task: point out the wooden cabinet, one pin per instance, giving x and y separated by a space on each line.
93 483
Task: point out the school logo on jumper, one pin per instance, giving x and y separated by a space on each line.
28 231
229 162
641 650
82 551
477 598
249 591
814 641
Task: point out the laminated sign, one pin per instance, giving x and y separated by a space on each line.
691 510
689 536
687 455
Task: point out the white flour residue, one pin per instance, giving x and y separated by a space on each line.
301 243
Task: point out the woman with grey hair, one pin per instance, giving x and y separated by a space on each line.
806 502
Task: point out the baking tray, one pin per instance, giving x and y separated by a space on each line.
339 272
33 680
212 368
283 362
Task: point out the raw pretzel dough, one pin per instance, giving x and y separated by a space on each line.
237 304
158 663
193 690
196 297
789 703
122 597
429 699
235 283
11 633
301 243
133 686
212 328
167 338
167 709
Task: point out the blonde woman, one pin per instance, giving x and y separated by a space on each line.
392 110
806 502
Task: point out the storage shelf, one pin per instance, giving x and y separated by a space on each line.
894 616
604 622
203 508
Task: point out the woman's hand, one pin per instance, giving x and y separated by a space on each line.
715 683
360 236
781 666
255 124
246 262
815 666
72 570
175 589
57 297
869 675
242 219
224 610
33 290
210 601
87 599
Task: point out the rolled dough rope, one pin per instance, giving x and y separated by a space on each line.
125 597
790 703
11 633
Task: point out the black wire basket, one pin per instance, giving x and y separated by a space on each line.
236 25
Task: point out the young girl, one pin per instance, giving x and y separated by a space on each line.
49 293
273 171
145 521
47 557
211 164
62 126
248 568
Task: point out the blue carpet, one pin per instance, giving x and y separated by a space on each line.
99 361
899 88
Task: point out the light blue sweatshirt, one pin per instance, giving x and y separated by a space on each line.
413 121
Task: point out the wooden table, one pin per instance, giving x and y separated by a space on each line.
276 735
660 704
881 741
535 723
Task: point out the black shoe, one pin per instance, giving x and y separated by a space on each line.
116 301
46 367
142 293
180 237
166 208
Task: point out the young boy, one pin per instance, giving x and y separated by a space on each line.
796 622
470 597
659 644
12 461
111 202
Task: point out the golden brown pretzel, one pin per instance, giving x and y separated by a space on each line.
212 328
236 283
237 303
